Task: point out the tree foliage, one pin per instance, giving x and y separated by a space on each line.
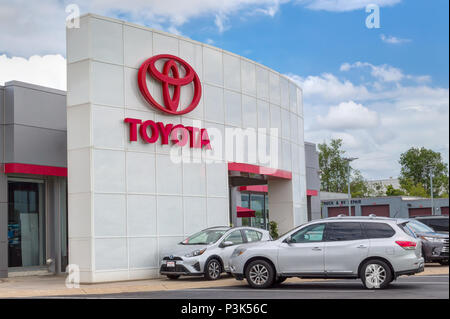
391 191
417 164
358 185
333 167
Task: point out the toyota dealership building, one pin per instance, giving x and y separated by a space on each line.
158 136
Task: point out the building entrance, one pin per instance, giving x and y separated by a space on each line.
26 224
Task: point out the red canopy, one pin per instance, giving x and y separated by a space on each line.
244 212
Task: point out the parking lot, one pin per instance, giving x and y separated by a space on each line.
433 283
413 287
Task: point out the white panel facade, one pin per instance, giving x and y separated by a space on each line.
129 201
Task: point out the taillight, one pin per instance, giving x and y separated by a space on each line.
406 244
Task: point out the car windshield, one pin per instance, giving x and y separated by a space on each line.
205 237
419 227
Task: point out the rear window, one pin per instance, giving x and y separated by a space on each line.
407 230
438 224
344 231
252 235
378 230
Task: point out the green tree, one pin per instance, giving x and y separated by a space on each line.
417 164
333 167
391 191
414 189
358 185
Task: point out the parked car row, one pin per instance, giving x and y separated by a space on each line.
375 249
208 251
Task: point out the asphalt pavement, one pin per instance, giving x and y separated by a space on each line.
412 287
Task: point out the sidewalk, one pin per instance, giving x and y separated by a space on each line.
37 286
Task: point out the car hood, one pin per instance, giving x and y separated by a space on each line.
181 250
432 234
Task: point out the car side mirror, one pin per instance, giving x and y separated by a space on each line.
288 240
226 244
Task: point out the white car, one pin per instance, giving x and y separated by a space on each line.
375 249
208 251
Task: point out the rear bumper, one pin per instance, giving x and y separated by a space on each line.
410 272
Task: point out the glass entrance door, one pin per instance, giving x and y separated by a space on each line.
26 224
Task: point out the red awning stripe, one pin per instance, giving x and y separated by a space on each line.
244 212
19 168
255 188
312 192
255 169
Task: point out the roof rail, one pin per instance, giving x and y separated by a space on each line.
341 215
372 215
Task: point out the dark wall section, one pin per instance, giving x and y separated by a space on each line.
33 127
3 198
312 179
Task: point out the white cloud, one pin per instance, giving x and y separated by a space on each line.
383 72
348 115
344 5
393 40
328 88
48 70
377 120
38 27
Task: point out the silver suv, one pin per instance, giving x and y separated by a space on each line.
208 251
375 249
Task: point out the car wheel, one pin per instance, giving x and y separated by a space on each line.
376 274
213 269
173 277
259 274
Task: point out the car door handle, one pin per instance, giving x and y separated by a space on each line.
317 249
361 246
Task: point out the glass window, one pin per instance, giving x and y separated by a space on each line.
235 237
205 237
438 224
257 204
378 230
419 227
312 233
252 235
406 229
245 202
344 231
26 224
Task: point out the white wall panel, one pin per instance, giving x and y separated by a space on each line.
131 201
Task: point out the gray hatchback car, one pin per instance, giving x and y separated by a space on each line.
375 249
208 251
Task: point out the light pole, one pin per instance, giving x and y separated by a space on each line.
431 170
348 160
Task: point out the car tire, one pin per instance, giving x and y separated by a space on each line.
376 274
173 277
260 274
213 269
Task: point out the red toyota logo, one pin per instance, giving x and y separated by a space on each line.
171 103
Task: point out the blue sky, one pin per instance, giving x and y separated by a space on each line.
303 41
380 90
